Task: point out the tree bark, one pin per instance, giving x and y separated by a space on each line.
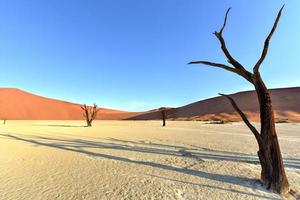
88 123
163 113
272 173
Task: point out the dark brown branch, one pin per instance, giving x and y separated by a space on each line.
83 107
226 67
225 21
237 67
247 75
243 116
95 111
266 44
219 35
90 113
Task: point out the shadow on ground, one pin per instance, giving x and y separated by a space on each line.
81 146
62 125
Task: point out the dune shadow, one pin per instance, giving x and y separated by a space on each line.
81 146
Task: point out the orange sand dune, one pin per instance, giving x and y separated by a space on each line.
18 104
286 103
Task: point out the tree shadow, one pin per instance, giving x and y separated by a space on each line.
160 149
255 182
205 153
79 145
63 125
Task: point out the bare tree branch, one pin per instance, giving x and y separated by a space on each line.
83 107
237 67
226 67
225 21
219 35
90 113
95 111
243 116
247 75
266 44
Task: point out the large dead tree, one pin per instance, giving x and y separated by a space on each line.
272 169
89 113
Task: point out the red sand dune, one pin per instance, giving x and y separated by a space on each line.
18 104
286 102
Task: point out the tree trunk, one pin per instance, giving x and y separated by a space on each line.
164 118
88 123
272 172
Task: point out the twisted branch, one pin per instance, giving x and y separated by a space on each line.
243 116
267 41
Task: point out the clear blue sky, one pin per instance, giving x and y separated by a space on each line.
132 54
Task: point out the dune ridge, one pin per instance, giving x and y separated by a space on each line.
286 103
16 104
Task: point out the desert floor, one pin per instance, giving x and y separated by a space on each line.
137 160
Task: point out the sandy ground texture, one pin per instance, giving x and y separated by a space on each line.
137 160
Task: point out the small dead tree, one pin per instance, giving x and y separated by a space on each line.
164 115
165 112
90 113
273 175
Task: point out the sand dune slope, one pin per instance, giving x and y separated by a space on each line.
18 104
286 102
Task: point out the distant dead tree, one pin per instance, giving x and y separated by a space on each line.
273 175
164 114
90 113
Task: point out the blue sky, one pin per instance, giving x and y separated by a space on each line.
132 54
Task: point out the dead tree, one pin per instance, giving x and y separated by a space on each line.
272 170
164 115
90 113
